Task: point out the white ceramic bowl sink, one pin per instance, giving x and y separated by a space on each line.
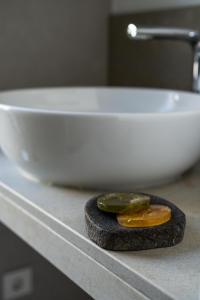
102 138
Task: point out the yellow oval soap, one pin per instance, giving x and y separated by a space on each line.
154 215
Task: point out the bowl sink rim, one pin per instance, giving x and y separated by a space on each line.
46 111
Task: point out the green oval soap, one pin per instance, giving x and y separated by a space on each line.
123 202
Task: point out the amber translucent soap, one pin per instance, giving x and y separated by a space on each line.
153 216
104 230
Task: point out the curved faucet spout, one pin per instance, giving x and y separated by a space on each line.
167 33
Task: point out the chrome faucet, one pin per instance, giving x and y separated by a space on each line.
167 33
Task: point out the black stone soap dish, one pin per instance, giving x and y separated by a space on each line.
104 230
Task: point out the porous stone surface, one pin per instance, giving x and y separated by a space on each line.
104 230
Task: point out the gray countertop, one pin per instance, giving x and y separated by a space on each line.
51 220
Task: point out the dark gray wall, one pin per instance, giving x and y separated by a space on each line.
48 282
53 42
125 6
152 64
